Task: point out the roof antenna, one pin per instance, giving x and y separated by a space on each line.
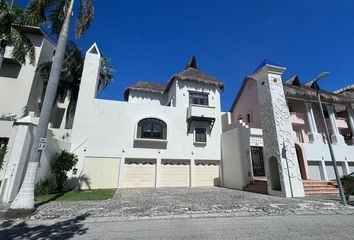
192 63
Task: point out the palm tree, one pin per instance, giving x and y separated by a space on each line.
59 21
12 34
70 78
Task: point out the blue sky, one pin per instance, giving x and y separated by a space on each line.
152 40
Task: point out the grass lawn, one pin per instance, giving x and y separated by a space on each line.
97 194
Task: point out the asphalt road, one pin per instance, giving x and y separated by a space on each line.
270 227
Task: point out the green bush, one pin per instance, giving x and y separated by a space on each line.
3 151
44 187
348 178
63 162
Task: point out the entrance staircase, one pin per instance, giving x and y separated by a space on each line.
311 187
316 188
259 185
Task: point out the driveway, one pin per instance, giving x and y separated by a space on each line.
189 202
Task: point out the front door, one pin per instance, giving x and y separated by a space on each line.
257 161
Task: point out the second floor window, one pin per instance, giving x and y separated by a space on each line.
152 128
198 98
200 135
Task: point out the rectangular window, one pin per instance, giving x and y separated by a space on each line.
198 98
248 117
200 135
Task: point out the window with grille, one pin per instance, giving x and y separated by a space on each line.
200 135
152 128
198 98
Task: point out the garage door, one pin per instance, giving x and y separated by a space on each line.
139 173
206 173
174 173
104 176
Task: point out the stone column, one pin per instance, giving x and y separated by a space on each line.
158 172
346 170
281 163
336 137
351 121
192 173
323 170
314 136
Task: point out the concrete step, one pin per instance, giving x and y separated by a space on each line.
316 182
258 186
314 187
318 193
320 186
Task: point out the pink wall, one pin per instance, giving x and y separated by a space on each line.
248 104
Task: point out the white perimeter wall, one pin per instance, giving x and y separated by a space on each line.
236 164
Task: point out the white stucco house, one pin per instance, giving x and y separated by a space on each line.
161 135
175 135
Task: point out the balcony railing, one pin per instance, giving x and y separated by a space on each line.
297 118
200 111
341 123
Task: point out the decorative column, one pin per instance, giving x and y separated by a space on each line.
336 137
281 163
314 136
323 171
351 121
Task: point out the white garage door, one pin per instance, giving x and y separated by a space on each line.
139 173
174 173
206 173
104 176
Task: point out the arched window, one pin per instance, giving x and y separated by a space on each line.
152 128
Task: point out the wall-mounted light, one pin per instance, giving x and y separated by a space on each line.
74 171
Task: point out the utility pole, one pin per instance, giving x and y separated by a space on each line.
329 143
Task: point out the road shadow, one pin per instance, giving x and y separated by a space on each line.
60 230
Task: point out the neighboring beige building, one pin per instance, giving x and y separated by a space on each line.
21 94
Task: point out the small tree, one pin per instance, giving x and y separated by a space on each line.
63 162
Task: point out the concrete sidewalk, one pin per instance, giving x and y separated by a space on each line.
189 202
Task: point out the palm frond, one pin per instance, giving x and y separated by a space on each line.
36 10
57 15
106 74
3 5
85 17
22 46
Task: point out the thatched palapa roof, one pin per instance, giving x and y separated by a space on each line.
144 86
193 74
307 93
294 89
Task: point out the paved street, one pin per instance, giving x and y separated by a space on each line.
265 227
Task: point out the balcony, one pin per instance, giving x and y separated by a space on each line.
341 123
200 113
297 118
